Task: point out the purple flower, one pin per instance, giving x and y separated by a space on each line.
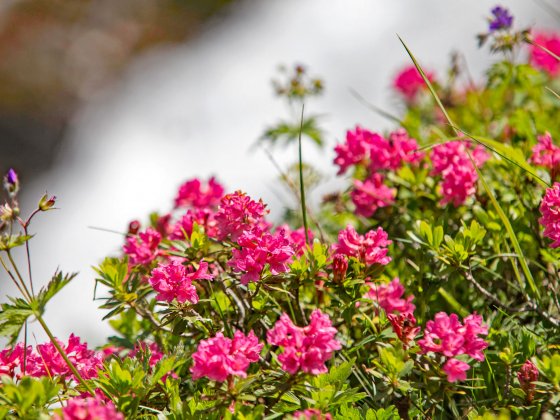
501 20
11 182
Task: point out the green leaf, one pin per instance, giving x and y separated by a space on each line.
56 284
12 318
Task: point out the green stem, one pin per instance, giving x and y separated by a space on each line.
21 290
63 354
301 186
18 273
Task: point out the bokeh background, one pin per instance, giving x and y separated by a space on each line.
110 105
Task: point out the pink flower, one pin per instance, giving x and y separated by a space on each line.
90 408
545 153
451 161
194 194
238 213
258 250
297 237
142 249
370 248
12 358
409 82
528 373
389 154
355 149
456 370
202 217
371 194
48 362
389 297
443 335
174 281
306 348
446 335
404 325
339 267
219 357
311 414
542 59
550 210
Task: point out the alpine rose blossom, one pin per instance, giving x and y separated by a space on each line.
370 248
372 194
46 361
527 374
237 214
259 249
404 326
306 348
174 281
543 60
297 237
546 154
389 297
355 149
409 82
391 153
194 193
550 210
142 249
219 357
448 336
459 177
12 358
311 414
202 217
89 409
456 370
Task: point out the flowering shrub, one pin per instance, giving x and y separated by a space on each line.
426 288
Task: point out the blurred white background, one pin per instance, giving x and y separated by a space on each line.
196 110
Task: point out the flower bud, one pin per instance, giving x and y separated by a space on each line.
404 325
8 212
133 227
46 203
339 267
11 183
528 373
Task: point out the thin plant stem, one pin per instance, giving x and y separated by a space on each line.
301 185
63 354
21 290
19 274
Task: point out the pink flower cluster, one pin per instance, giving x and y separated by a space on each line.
142 249
409 82
389 297
546 153
527 374
448 336
296 237
194 193
543 60
306 348
46 361
174 281
219 357
378 154
452 162
89 409
237 214
202 217
370 248
311 414
11 359
550 210
259 249
374 150
371 194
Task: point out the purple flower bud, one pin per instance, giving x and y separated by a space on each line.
11 182
501 20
